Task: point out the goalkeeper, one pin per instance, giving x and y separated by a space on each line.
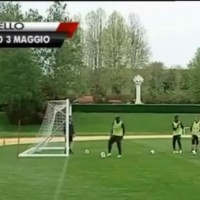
71 134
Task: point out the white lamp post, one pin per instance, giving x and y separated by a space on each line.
138 80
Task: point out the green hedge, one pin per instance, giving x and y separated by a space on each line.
131 108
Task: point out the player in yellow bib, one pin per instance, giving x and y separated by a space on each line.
195 129
117 134
177 127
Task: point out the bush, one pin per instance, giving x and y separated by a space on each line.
178 97
122 98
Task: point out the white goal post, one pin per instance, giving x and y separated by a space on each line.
52 139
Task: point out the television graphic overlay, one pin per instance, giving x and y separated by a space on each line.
35 34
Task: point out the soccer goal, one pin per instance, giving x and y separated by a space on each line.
186 130
52 139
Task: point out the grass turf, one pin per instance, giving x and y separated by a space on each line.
100 123
137 175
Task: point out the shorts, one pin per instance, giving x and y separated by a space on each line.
115 138
176 137
195 139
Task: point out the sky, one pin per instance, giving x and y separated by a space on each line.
173 28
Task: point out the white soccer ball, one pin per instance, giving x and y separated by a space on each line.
103 154
194 152
152 152
87 152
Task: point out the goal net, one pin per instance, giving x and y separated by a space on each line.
52 139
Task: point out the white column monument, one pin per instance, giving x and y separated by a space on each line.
138 80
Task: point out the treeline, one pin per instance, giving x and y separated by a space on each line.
100 60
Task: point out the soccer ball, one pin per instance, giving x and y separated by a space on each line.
152 152
103 154
194 152
87 152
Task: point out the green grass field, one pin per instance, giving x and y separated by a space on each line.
100 123
137 175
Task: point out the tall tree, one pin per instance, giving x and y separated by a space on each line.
156 79
185 79
20 75
115 41
10 11
63 65
33 16
20 84
194 67
114 50
138 49
46 57
93 49
95 23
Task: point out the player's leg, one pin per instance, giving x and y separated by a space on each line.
119 146
196 142
65 150
70 144
174 143
110 143
179 143
193 143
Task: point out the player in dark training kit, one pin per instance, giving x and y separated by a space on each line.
177 127
195 129
71 134
117 134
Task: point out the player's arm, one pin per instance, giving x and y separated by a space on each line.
181 124
173 127
191 127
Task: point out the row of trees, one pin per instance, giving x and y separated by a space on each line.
100 60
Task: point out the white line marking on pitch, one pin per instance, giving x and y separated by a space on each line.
12 141
61 179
